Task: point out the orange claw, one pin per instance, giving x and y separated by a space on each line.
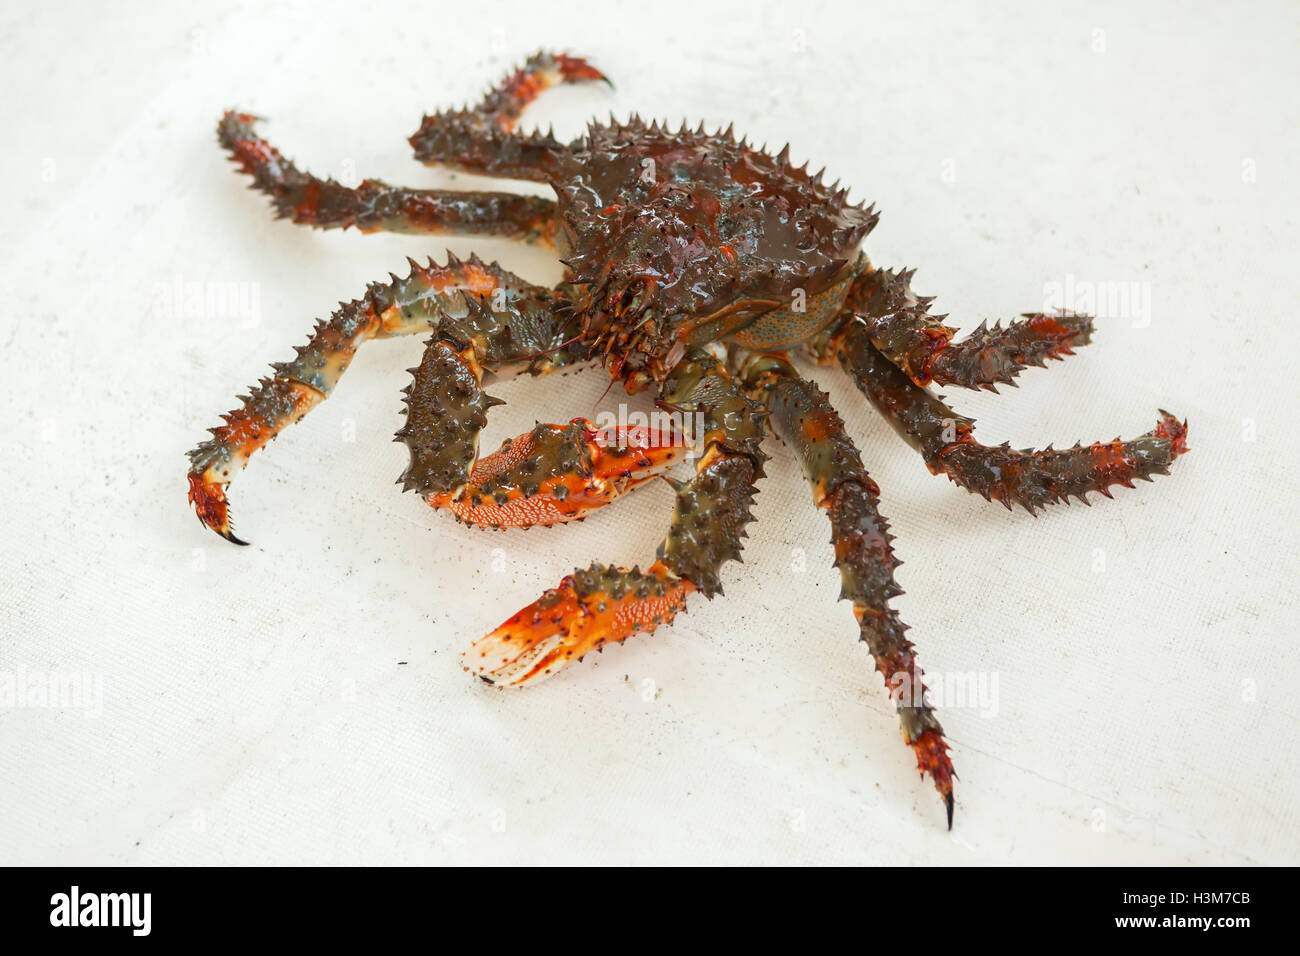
209 501
586 611
558 473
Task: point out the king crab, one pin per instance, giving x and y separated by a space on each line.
674 243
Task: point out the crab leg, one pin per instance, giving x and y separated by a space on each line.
601 604
482 139
864 553
901 327
374 205
399 307
945 439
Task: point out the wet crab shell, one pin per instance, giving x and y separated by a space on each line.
658 225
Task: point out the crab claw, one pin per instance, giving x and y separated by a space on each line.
209 501
586 611
558 473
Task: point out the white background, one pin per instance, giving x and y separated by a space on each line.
254 709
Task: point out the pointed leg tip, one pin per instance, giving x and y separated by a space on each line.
212 508
236 117
1171 428
575 69
932 757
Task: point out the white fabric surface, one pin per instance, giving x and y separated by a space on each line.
253 705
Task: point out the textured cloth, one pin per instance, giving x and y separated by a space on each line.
301 700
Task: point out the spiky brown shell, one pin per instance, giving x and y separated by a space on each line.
680 238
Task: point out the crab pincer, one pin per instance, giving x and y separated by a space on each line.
559 473
589 609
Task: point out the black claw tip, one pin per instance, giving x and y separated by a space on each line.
947 799
232 538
